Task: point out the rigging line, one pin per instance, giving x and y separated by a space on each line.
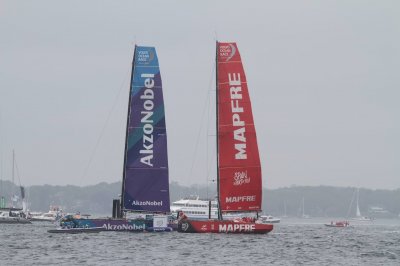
210 133
208 128
211 159
209 163
104 127
16 168
1 154
201 121
351 204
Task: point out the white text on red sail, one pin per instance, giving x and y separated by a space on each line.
238 124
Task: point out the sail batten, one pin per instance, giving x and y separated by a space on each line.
145 180
239 167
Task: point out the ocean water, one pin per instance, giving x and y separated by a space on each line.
293 242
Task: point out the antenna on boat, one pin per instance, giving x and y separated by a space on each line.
215 36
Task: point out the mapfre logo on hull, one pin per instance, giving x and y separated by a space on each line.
233 228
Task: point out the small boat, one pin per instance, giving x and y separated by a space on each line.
13 216
338 224
76 230
198 209
52 215
239 178
195 208
268 219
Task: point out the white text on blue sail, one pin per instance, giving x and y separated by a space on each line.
147 120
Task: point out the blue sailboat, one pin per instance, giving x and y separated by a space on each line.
144 204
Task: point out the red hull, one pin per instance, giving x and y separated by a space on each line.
225 226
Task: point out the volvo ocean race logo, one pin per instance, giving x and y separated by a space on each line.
240 178
226 52
145 56
185 226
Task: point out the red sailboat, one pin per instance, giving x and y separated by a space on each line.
238 166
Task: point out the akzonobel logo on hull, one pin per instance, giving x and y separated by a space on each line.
123 227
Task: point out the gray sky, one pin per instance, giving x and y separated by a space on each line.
323 78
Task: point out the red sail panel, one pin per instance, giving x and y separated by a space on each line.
240 181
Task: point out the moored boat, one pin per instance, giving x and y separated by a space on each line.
54 214
195 208
359 217
13 216
338 224
269 219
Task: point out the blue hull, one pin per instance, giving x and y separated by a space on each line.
111 224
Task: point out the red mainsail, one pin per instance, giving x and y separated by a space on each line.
239 169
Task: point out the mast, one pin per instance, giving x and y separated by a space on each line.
13 166
126 135
284 208
216 125
358 213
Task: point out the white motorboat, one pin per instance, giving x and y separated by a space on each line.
195 208
198 209
52 215
13 216
268 219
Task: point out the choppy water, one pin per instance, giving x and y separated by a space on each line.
293 242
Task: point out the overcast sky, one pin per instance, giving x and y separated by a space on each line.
323 77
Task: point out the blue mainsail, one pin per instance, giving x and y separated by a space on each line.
145 179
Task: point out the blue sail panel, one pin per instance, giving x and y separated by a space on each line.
145 183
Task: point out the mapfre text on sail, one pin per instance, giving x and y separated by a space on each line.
238 124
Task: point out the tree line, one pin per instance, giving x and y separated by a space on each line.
319 201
